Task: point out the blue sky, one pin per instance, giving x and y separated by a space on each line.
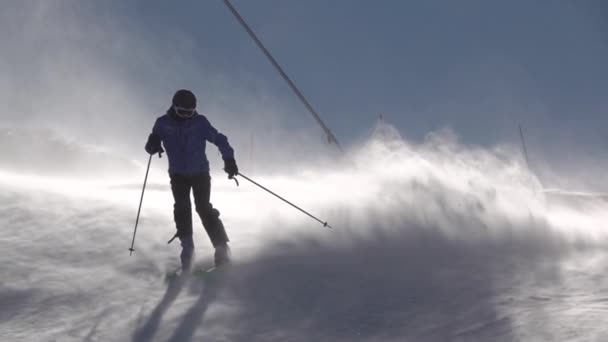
477 67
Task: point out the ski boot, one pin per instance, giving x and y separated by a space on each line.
222 255
187 253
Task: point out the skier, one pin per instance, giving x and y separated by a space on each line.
183 133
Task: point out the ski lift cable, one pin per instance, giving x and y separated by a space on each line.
330 136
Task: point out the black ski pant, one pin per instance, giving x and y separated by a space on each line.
200 185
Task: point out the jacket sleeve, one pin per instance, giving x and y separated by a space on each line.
153 144
219 140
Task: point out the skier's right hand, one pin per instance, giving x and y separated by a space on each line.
153 145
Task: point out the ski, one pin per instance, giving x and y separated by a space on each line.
199 271
211 271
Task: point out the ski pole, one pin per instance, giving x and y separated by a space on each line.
286 201
131 250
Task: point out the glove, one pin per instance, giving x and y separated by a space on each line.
231 168
153 144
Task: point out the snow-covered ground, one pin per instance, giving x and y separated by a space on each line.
436 242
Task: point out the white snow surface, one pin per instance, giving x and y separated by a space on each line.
433 242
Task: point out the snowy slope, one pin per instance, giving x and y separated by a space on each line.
437 242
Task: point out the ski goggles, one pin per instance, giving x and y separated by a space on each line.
184 112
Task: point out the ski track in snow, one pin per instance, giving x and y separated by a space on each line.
460 268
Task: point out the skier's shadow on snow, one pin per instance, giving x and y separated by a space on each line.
191 320
149 329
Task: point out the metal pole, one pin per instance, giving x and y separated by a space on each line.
131 250
523 144
330 136
286 201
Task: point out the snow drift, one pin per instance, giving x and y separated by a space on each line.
431 242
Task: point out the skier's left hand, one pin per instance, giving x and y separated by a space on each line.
231 168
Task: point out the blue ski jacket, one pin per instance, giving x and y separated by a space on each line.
185 140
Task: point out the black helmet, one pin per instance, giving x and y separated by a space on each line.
184 103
